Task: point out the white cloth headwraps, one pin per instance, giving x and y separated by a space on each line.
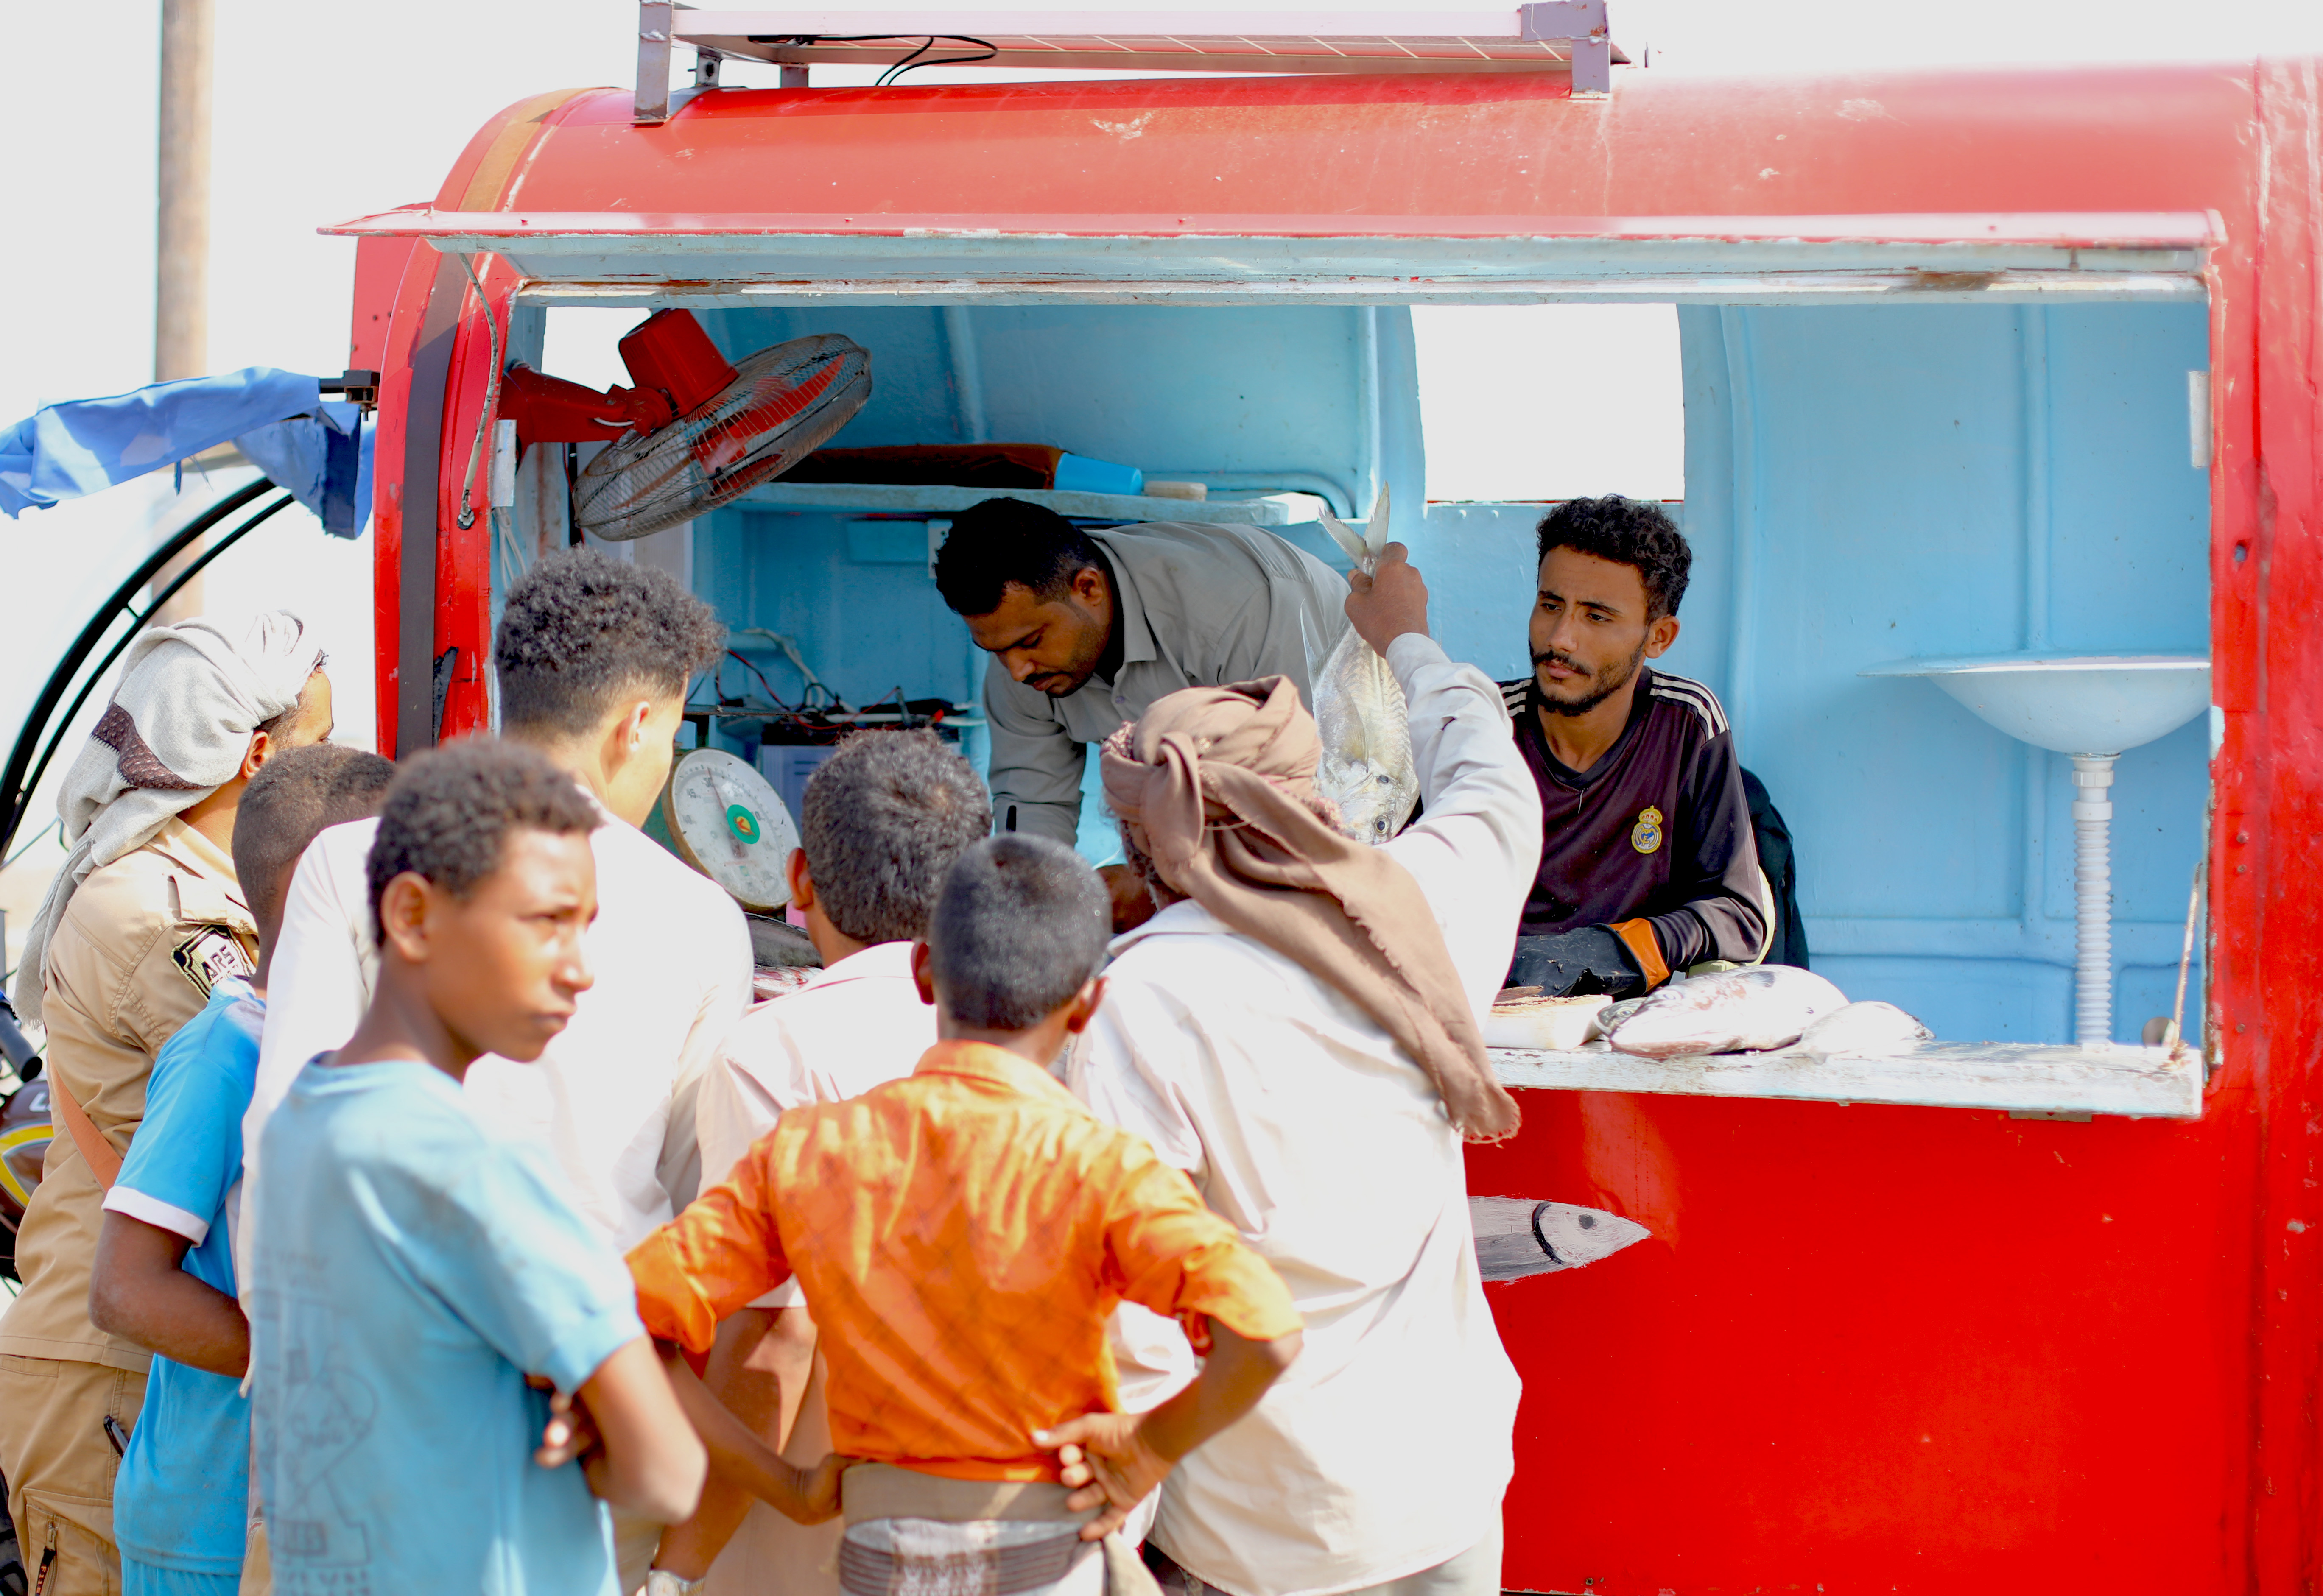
175 731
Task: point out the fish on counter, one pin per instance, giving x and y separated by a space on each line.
1761 1009
1360 715
1521 1017
1864 1028
784 960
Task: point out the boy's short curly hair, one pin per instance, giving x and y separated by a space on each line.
882 821
582 631
449 813
1628 532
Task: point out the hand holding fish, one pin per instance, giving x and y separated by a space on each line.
1359 710
1389 602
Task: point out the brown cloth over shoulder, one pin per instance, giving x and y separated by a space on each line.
1216 786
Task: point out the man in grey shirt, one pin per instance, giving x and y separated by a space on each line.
1087 628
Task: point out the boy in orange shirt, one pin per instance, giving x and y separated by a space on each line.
962 1236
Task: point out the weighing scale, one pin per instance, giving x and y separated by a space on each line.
723 819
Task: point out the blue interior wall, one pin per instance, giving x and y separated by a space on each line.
1244 399
1889 484
1863 484
1241 396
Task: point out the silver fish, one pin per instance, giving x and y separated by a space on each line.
1365 727
1744 1011
1873 1028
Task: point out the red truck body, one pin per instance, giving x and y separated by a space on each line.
1870 1348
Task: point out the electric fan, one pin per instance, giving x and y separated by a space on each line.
696 431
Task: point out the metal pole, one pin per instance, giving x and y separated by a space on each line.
2093 899
654 23
181 242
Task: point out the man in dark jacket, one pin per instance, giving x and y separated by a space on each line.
1649 866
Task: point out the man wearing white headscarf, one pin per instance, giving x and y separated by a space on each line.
145 917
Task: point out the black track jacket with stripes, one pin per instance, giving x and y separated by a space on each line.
1658 829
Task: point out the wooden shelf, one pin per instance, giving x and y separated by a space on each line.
1270 510
2145 1083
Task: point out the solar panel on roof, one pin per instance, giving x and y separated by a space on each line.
1570 36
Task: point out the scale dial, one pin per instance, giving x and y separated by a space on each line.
728 824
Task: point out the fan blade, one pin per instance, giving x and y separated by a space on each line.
731 439
784 403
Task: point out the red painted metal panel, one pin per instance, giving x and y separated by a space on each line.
379 265
2130 140
1876 1349
2136 230
390 295
463 586
2267 907
493 159
1871 1349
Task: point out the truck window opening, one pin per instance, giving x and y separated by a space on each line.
1522 402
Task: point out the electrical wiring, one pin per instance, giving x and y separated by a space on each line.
717 687
910 63
492 397
808 722
790 651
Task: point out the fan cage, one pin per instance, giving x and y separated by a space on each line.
784 403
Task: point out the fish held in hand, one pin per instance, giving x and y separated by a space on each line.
1864 1028
1360 714
1745 1011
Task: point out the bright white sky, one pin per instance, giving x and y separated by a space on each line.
326 112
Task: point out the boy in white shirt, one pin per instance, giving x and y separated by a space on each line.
881 822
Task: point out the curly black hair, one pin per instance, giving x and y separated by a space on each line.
449 813
1021 924
1004 541
581 631
1628 532
296 795
882 821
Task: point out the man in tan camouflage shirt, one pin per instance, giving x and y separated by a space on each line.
132 957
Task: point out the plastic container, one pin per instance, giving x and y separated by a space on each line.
1077 473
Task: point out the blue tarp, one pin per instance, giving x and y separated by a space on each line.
324 459
277 417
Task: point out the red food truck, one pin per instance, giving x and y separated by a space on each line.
2016 366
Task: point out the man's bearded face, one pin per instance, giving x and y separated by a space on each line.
1589 631
1051 643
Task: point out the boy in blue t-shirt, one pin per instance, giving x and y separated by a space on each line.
164 1275
409 1268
